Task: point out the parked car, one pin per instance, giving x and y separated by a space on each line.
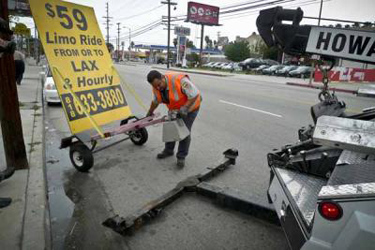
260 68
285 71
207 65
244 63
302 72
215 65
271 70
219 65
232 66
255 63
270 62
49 90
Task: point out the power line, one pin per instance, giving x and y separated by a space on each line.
139 14
252 12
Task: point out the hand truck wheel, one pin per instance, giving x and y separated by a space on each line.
81 157
139 136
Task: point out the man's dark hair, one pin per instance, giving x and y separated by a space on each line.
152 75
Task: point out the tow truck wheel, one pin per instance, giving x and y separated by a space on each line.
139 136
81 157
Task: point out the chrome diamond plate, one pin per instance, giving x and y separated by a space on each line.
348 191
344 133
351 157
353 174
304 189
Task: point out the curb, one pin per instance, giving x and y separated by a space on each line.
193 72
35 224
354 92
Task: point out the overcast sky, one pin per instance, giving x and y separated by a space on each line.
242 24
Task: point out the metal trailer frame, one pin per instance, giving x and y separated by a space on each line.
81 155
194 184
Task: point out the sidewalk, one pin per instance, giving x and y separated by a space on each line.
24 223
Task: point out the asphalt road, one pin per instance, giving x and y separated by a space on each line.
253 114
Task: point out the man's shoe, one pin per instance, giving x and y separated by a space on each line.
180 163
164 155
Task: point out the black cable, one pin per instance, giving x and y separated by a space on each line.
139 14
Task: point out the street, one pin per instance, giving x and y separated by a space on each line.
254 114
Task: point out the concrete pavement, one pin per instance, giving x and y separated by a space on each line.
24 224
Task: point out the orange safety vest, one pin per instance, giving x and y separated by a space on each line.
177 98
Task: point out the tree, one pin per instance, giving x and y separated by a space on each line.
237 51
355 25
110 47
190 44
268 52
338 25
193 57
215 44
367 25
208 42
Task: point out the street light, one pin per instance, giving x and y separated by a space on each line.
130 38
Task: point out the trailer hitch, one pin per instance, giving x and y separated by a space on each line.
199 185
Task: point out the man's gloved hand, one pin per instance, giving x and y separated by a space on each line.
183 112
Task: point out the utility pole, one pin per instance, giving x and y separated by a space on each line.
118 41
130 40
10 118
122 49
169 27
108 22
201 49
320 11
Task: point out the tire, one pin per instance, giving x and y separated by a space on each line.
81 157
139 136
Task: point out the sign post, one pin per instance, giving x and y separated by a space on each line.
10 117
205 15
88 85
181 33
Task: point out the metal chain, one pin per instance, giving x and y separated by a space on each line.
325 95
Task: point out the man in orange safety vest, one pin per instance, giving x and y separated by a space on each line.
177 92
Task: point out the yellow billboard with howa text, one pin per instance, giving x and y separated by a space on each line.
86 80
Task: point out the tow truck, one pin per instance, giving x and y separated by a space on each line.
322 188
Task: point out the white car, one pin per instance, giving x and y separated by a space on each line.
208 65
49 88
232 66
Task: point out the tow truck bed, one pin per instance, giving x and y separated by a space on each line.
295 195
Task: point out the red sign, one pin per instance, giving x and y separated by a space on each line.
346 74
203 14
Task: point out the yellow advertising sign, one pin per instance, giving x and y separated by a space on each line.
86 80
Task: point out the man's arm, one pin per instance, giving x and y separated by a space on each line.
191 91
152 108
190 102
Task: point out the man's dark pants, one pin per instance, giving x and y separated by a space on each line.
183 146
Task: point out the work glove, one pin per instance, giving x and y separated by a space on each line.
183 112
